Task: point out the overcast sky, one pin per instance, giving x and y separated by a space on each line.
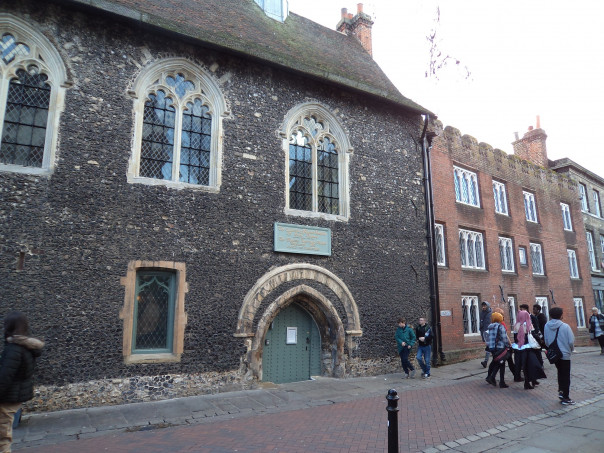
527 58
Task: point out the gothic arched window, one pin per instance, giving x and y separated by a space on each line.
179 112
317 163
32 84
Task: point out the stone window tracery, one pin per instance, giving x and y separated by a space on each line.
32 85
317 163
179 111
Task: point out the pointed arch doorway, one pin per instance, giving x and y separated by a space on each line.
292 346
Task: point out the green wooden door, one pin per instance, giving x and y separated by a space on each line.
292 347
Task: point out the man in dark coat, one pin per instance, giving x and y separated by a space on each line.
485 320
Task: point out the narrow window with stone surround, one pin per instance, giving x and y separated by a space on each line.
500 197
153 312
439 233
579 312
530 207
537 259
32 88
566 219
591 251
178 125
572 263
317 151
506 254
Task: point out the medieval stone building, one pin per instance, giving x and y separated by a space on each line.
508 231
195 194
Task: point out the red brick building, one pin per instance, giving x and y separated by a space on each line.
507 231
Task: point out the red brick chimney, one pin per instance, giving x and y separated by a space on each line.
531 146
358 26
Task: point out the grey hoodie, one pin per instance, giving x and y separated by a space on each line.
566 339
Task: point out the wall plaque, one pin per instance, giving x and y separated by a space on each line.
302 239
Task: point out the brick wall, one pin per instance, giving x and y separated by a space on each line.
451 148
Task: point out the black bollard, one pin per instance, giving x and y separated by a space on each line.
392 409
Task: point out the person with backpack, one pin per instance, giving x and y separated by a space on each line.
423 333
559 335
405 339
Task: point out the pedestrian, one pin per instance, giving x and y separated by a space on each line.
485 320
558 331
510 360
423 333
596 327
498 341
526 359
541 318
16 372
405 339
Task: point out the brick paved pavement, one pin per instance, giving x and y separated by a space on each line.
431 414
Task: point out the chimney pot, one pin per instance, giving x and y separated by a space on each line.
538 122
359 8
530 128
344 12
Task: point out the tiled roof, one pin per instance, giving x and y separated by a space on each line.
240 26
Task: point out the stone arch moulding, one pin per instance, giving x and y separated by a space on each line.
269 283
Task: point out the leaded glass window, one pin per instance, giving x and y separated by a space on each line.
471 315
590 251
29 106
572 263
506 253
579 312
176 138
179 111
537 259
466 186
314 167
566 220
499 195
440 244
471 249
530 208
154 311
300 173
583 197
512 310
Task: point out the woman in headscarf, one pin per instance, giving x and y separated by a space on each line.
526 361
498 340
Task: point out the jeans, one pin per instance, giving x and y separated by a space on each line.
404 355
485 338
563 367
423 358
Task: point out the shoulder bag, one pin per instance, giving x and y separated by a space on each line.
553 353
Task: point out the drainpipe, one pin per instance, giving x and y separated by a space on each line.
426 143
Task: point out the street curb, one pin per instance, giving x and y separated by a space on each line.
512 425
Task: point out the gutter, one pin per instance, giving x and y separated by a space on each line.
426 144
